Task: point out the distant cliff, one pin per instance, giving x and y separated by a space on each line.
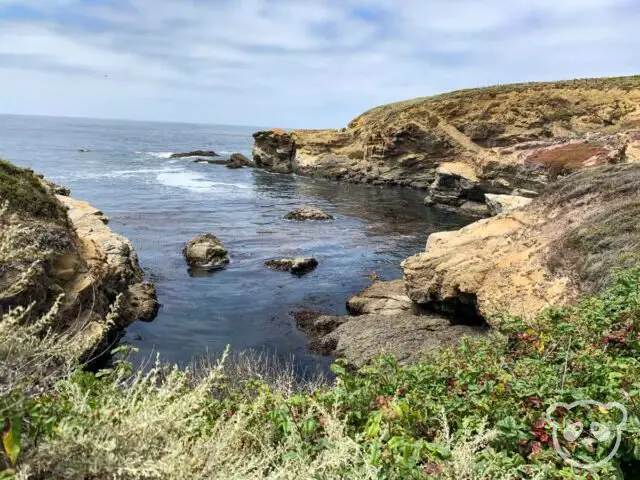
505 140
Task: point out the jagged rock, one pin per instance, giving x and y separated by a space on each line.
501 140
498 204
206 252
528 259
303 214
237 160
195 153
211 162
297 266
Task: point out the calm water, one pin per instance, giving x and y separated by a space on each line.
161 203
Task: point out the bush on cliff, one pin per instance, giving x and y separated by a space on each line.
476 411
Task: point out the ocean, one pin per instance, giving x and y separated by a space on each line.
161 203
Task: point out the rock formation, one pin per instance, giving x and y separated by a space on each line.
384 320
206 252
237 160
507 140
565 242
56 248
304 214
298 266
498 204
195 153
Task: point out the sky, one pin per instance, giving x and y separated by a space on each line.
293 63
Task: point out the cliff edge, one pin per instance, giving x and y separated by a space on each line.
511 139
59 258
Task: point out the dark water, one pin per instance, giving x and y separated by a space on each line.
160 204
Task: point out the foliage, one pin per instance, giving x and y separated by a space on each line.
476 411
26 194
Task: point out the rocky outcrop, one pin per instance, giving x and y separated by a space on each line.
506 140
385 321
304 214
206 252
298 266
563 243
57 249
195 153
498 204
237 160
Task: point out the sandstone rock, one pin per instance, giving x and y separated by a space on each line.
297 266
384 298
303 214
546 254
68 250
195 153
500 140
205 252
498 204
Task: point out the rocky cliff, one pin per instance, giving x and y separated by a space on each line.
58 257
503 140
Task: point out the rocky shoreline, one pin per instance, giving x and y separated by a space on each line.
511 140
67 263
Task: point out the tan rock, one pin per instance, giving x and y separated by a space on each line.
464 144
525 260
498 204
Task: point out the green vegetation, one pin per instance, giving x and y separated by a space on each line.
476 411
26 194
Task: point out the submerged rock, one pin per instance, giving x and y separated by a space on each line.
212 162
206 252
195 153
303 214
294 265
498 204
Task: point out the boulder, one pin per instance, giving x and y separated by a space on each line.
498 204
308 213
195 153
206 252
237 160
384 298
297 266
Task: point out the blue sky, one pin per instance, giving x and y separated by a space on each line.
293 63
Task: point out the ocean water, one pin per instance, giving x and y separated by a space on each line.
160 203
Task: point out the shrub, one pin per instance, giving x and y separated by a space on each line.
26 194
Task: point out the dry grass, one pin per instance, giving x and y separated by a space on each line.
607 236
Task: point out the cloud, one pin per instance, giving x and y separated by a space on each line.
292 63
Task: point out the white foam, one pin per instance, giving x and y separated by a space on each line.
159 154
122 173
195 182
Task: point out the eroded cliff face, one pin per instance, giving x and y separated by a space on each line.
564 243
502 140
57 249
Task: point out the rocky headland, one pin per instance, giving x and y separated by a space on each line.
505 140
60 257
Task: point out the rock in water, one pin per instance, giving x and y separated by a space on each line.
298 266
303 214
206 252
196 153
237 160
498 204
